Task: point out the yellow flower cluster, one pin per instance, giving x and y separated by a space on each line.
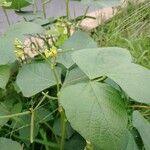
51 53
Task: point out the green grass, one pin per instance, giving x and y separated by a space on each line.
130 29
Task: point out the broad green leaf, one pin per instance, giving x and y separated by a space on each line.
112 83
8 144
9 104
18 4
143 126
99 61
43 115
23 28
129 143
23 122
79 40
134 80
7 54
116 63
18 30
16 108
24 125
35 77
30 1
75 143
3 112
25 132
97 112
4 76
75 76
57 128
101 3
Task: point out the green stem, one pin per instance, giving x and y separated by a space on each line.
83 17
63 128
49 97
51 130
41 101
15 130
88 146
15 115
7 18
101 79
67 9
43 8
34 7
61 110
50 144
56 77
140 106
32 126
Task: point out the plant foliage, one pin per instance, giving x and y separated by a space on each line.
60 91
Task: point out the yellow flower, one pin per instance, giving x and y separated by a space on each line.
18 43
19 53
47 53
19 48
51 53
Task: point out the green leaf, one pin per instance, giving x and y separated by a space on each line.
4 76
75 143
116 63
9 104
97 112
99 61
22 28
101 3
16 108
35 77
129 143
79 40
112 83
43 115
75 76
30 1
143 126
18 30
7 54
3 112
57 128
7 144
23 124
134 80
18 4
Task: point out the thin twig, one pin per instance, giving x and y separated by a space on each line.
15 115
6 15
